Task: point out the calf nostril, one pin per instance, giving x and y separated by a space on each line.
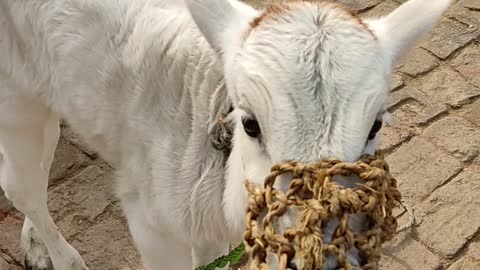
377 125
291 265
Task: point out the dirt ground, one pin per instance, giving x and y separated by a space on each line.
433 148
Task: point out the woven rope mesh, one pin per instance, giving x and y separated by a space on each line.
316 199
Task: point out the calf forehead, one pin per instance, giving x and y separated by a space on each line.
294 12
309 39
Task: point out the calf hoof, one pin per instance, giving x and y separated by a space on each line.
36 253
38 265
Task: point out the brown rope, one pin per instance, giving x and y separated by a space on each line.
318 200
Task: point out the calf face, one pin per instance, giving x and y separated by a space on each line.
308 81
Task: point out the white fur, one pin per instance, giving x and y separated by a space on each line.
144 81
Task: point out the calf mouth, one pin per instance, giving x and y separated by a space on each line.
323 226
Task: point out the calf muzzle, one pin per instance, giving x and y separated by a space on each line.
317 199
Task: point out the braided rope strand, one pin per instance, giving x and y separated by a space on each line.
318 199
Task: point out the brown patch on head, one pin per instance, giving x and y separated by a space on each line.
271 11
355 17
276 10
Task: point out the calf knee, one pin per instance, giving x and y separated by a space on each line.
17 197
24 195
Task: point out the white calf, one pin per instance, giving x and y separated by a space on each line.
144 83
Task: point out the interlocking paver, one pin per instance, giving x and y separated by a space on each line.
5 264
69 159
445 85
476 161
420 167
404 253
394 134
10 229
447 37
456 136
381 9
396 82
449 217
471 261
467 12
117 254
417 62
75 139
413 107
471 112
89 193
468 63
471 4
5 205
358 5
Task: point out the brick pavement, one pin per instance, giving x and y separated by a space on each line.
433 147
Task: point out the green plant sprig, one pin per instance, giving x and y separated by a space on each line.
233 258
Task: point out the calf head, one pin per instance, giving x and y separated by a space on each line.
308 81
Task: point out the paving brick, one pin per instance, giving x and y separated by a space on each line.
117 254
5 265
384 8
358 5
69 134
476 161
471 4
413 107
393 135
447 37
5 205
396 82
260 3
468 63
444 85
467 12
449 218
404 253
68 160
418 61
471 112
77 203
470 261
10 231
420 167
456 136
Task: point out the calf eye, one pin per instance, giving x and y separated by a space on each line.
375 128
251 127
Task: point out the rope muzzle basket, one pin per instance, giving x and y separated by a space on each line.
317 199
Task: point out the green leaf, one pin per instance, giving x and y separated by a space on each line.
233 258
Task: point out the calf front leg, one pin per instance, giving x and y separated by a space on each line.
28 137
159 248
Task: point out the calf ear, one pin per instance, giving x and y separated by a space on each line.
221 21
400 30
